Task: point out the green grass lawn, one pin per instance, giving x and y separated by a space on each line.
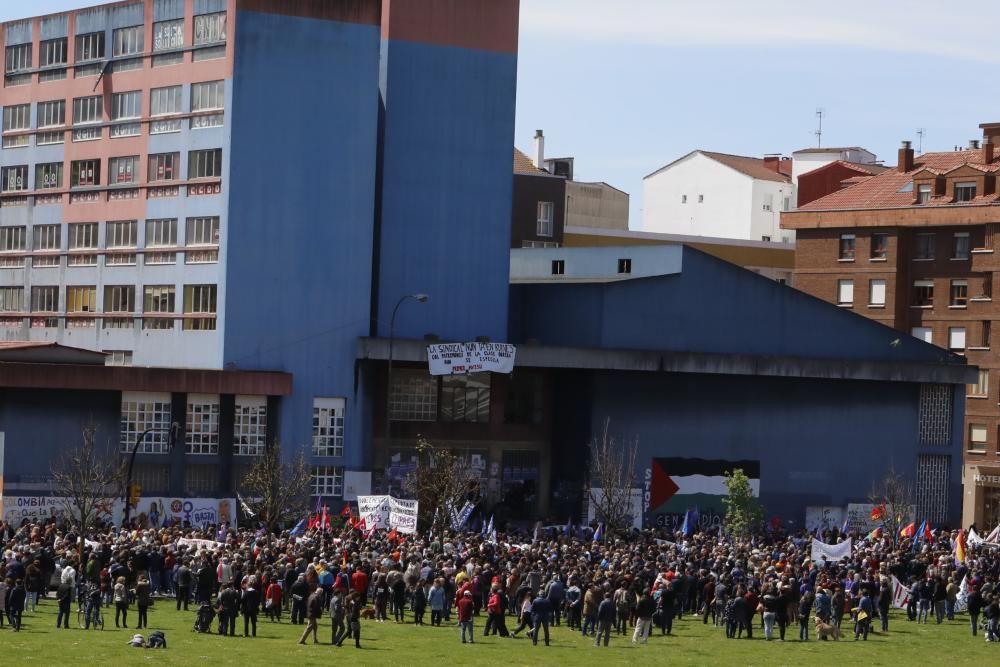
387 643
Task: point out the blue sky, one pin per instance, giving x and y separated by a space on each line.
626 86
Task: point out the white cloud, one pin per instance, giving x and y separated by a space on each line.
902 26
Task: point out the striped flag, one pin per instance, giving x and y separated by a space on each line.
960 547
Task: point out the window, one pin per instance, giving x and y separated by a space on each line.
51 114
199 300
45 299
118 357
924 248
168 36
845 292
120 235
87 111
46 238
847 246
164 102
328 427
201 481
880 246
413 397
768 204
52 53
161 234
163 167
558 267
960 246
684 199
982 387
544 223
85 173
956 338
465 398
11 299
16 117
126 106
202 232
959 293
11 241
158 300
17 65
923 333
205 164
119 300
48 176
142 411
701 199
876 292
208 96
965 191
82 236
328 481
81 299
625 265
923 194
202 433
765 239
89 47
14 179
977 438
985 331
128 42
923 293
123 170
250 426
209 29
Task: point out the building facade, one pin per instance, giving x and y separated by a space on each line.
538 213
719 195
806 160
152 208
913 248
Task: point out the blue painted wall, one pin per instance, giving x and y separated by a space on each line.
446 189
711 306
304 123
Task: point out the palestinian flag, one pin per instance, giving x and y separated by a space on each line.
678 484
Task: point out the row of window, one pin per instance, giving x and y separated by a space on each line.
958 337
978 438
124 170
922 294
559 266
201 235
127 48
203 480
924 246
89 114
118 306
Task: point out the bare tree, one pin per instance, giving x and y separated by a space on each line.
276 491
893 498
441 482
88 479
612 477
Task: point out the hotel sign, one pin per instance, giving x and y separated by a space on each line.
987 480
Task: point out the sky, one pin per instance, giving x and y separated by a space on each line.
626 86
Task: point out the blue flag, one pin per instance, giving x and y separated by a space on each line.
299 528
599 533
843 528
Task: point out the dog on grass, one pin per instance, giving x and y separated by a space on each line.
827 630
368 613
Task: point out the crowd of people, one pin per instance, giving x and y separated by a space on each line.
630 586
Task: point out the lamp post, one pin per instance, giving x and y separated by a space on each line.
171 439
419 298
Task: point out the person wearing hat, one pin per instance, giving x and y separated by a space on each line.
466 608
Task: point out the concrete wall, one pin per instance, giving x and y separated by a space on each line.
768 200
299 268
596 205
725 211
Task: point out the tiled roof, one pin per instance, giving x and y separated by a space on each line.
892 189
524 165
751 166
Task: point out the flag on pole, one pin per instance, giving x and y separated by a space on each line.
243 504
392 535
994 536
599 533
819 532
919 533
491 532
319 505
299 528
909 530
538 527
960 549
875 534
325 520
846 524
346 512
962 599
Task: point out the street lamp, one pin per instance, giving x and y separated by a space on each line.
171 439
419 298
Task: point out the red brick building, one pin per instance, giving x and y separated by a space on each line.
915 248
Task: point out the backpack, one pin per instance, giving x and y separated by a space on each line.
156 640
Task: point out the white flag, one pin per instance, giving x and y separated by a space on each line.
900 594
962 599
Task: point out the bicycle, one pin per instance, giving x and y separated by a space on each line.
96 618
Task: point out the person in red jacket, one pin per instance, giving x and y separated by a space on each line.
466 607
359 584
272 601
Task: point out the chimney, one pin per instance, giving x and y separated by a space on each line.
905 163
773 161
539 149
987 150
973 144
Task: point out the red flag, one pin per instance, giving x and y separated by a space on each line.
313 521
909 530
392 535
346 512
878 513
359 524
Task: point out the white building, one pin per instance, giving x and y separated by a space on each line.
720 195
808 159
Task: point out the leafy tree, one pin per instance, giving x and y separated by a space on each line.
744 513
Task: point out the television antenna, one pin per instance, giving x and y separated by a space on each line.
819 127
920 140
